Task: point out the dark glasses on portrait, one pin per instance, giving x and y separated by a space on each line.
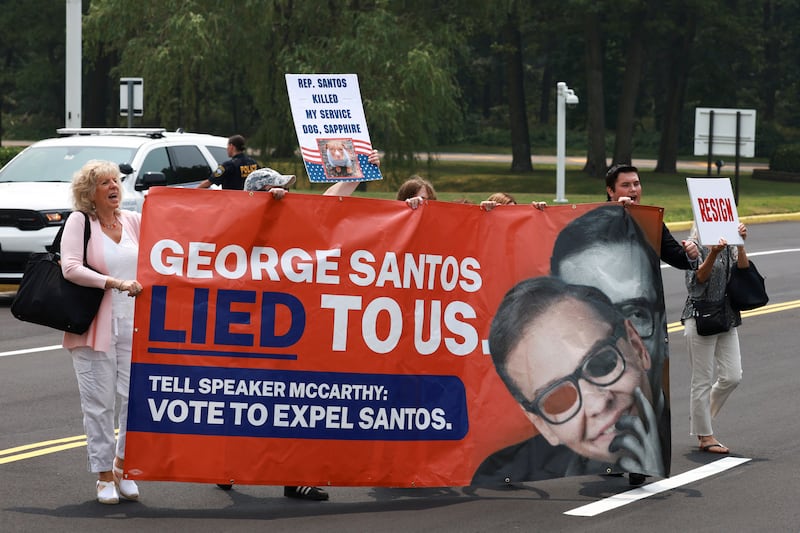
560 401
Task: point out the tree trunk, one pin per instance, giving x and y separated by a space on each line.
96 104
634 60
547 95
596 156
676 90
771 70
517 110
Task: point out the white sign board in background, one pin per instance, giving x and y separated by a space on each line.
331 128
714 209
724 141
125 85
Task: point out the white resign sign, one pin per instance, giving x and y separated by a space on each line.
714 209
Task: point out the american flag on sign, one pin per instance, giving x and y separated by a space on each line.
311 155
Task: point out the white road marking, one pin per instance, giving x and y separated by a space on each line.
645 491
773 252
32 350
754 254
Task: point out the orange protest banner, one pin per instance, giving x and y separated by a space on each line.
319 340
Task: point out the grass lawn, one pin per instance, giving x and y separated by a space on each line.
476 181
456 181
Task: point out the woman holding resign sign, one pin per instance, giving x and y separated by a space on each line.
713 352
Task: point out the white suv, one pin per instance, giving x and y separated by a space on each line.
35 196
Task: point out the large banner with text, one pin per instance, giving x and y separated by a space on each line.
319 340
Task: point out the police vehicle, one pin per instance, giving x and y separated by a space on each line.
35 196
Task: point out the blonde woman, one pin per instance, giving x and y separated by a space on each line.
102 356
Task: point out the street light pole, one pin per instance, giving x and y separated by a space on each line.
72 55
564 96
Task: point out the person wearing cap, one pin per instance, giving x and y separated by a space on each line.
232 173
624 186
270 180
267 179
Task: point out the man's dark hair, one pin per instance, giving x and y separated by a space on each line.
524 303
607 224
237 141
614 172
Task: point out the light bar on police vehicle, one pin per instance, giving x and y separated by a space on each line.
150 132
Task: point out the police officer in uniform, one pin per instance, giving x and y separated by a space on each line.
232 173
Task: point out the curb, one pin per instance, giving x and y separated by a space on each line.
752 219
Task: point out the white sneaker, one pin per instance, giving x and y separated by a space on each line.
107 492
128 488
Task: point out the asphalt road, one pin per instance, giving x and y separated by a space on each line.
45 485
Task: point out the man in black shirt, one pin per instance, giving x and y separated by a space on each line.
232 173
623 185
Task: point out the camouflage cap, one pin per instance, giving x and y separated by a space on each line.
266 178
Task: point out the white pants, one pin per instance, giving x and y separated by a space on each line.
709 356
102 376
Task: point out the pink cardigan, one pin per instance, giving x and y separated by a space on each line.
98 336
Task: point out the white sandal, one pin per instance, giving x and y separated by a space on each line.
128 488
107 492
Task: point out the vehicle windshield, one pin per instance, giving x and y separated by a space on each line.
219 153
59 163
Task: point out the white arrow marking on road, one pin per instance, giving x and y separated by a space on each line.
607 504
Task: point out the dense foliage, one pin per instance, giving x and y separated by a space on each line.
7 153
431 73
786 158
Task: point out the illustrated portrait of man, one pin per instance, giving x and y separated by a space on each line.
605 248
579 370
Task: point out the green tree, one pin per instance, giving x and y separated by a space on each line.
431 73
173 44
515 79
32 67
631 80
202 59
596 156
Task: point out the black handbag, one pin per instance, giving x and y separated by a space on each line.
711 317
746 288
44 297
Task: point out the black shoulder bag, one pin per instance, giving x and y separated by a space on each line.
44 297
746 288
711 316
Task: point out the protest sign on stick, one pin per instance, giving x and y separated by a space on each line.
331 127
714 209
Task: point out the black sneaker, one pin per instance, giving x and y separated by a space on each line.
635 479
225 486
305 493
